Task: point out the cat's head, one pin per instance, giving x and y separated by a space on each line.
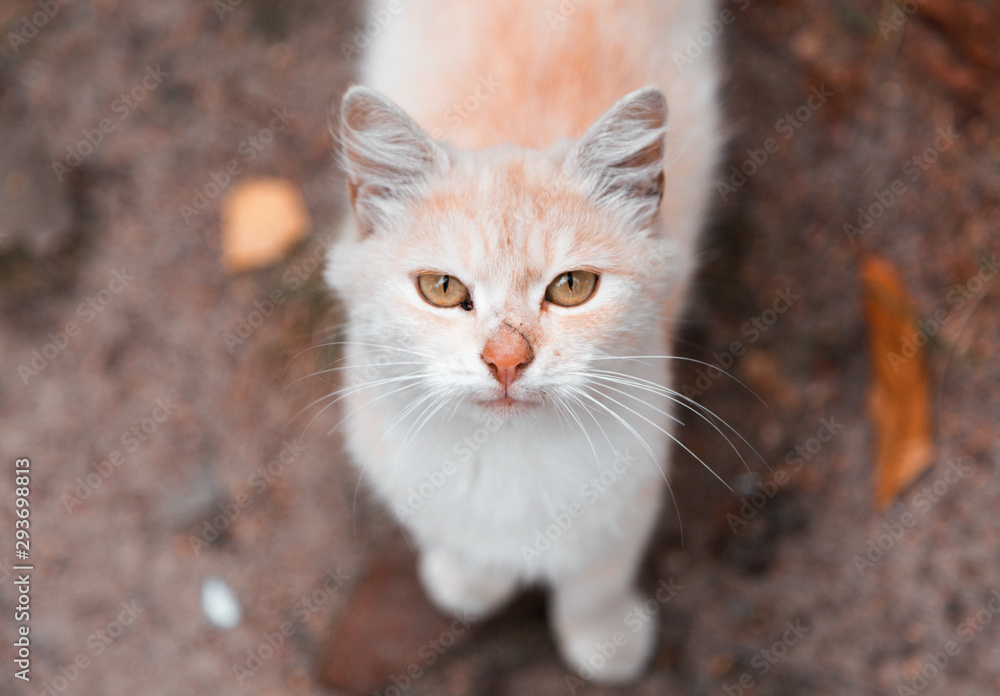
500 275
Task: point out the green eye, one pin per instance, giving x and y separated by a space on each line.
572 288
444 291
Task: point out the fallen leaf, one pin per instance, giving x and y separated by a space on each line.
261 220
899 398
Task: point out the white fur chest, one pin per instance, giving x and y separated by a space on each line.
539 499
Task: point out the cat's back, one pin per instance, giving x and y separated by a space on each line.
533 72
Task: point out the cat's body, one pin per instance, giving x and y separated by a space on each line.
494 428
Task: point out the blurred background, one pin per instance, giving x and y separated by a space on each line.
158 380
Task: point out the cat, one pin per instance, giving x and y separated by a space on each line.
524 225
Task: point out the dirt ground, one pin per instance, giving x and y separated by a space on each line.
163 452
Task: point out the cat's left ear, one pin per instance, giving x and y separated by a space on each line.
388 158
619 160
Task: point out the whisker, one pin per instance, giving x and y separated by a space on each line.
560 408
685 401
330 405
341 393
669 394
693 360
610 444
375 346
368 403
655 459
597 459
338 369
672 417
665 432
451 416
424 419
621 420
399 419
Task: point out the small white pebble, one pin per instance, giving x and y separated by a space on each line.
220 604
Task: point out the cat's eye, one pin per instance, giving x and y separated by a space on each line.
571 288
444 291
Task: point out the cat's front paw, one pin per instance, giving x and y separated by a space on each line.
603 648
457 590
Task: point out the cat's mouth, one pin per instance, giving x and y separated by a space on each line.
508 404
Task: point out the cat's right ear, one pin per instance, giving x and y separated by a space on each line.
387 157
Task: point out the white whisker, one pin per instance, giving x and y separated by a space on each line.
674 398
665 432
642 441
693 360
364 466
441 398
337 369
597 460
681 400
347 391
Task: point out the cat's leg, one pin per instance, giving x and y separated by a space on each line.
459 590
590 614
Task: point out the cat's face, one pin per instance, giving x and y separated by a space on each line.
501 275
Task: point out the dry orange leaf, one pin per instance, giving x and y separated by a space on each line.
261 220
900 394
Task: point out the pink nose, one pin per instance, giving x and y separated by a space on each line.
507 353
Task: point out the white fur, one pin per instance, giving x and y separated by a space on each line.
481 490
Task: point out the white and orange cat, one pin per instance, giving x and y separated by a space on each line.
525 217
